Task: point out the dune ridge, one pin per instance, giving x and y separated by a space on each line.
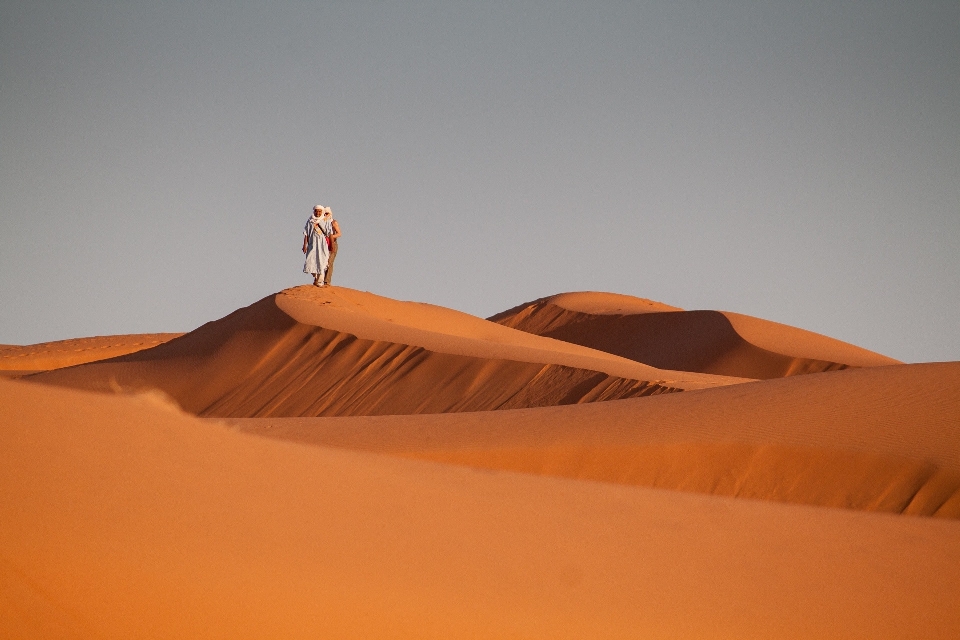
379 495
263 361
883 439
124 517
715 342
817 477
443 330
17 360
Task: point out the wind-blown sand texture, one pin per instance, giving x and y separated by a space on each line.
835 439
18 360
604 498
311 352
717 342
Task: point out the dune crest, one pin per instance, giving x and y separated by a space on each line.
22 360
715 342
292 355
375 492
876 439
817 477
443 330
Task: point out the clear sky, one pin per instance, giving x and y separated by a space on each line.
797 161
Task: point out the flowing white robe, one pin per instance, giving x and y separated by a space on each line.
316 231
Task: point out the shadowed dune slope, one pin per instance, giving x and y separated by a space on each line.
715 342
877 439
443 330
124 518
19 360
261 361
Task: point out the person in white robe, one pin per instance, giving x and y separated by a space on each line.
315 247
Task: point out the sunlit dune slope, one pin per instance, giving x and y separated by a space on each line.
716 342
18 360
311 352
443 330
881 439
124 518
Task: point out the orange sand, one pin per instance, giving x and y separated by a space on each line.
291 355
124 518
709 511
834 439
20 360
716 342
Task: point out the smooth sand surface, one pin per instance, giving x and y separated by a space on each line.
884 439
22 359
443 330
604 498
291 355
123 517
373 317
717 342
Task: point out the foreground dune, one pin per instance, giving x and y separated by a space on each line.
123 517
883 439
18 360
717 342
312 352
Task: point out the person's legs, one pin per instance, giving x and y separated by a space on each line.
333 254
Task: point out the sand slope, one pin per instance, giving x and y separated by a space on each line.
20 360
716 342
420 513
312 352
880 439
124 518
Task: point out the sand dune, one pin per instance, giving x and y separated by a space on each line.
443 330
883 439
292 355
665 337
124 518
686 505
18 360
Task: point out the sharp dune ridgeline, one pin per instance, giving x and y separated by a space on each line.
333 463
302 353
17 361
716 342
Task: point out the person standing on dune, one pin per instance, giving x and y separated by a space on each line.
315 248
331 243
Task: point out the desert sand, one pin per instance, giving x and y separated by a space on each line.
337 352
332 463
718 342
834 439
17 361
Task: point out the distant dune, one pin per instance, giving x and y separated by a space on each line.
716 342
291 355
18 360
588 465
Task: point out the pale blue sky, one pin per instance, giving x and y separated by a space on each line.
794 161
